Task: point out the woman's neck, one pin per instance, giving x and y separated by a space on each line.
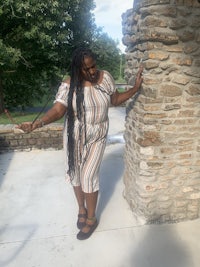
87 83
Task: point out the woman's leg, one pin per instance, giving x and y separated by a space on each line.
91 222
91 203
80 197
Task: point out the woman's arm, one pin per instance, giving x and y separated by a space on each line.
55 113
118 98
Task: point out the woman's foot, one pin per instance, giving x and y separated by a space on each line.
82 216
90 225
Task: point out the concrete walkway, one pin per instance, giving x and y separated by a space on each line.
38 216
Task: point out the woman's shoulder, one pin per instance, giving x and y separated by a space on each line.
64 85
107 76
66 80
106 73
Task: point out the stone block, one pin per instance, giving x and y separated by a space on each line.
170 90
193 90
158 10
164 36
186 35
178 23
152 21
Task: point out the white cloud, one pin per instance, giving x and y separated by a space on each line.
108 15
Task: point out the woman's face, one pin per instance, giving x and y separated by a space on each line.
89 70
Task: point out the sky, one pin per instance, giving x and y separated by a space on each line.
108 15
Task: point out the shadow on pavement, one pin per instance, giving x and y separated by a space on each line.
5 161
111 171
161 247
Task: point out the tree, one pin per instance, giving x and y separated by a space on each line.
108 53
36 39
36 42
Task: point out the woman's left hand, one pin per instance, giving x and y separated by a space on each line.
139 78
118 98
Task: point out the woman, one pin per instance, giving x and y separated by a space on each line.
84 99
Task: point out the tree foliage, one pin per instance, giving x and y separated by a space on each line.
36 41
108 55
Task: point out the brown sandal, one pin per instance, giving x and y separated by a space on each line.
82 236
80 225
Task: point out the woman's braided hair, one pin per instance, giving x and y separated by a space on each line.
76 86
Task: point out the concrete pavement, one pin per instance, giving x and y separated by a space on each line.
38 216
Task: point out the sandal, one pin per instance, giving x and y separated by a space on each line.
82 236
79 224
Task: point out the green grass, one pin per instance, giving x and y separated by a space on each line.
121 90
19 117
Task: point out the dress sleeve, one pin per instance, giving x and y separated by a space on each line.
62 94
110 83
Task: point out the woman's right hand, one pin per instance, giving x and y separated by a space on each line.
55 113
27 127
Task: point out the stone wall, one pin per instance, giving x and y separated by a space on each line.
48 137
162 154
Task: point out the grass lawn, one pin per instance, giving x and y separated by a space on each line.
29 115
120 90
19 117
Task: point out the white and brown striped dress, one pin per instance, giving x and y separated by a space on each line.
90 144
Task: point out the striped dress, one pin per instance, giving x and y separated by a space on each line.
90 138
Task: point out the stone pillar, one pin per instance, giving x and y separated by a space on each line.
162 153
